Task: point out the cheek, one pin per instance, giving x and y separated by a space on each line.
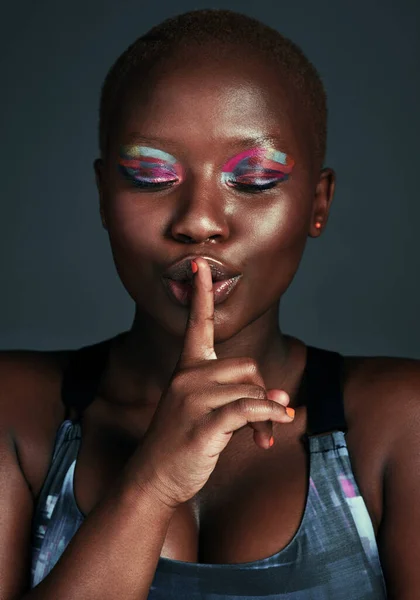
283 223
132 224
134 234
276 240
126 214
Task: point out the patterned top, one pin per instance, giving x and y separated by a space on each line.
333 554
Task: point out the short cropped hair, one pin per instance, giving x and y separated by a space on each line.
224 27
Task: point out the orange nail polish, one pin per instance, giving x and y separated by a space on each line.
194 267
290 412
271 441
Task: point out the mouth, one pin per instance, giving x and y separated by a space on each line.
178 280
181 271
181 291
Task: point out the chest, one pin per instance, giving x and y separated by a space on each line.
250 508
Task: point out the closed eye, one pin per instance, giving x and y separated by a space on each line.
245 187
152 185
252 188
254 183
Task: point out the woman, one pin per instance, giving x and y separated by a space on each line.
130 463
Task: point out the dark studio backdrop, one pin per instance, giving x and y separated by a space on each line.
357 289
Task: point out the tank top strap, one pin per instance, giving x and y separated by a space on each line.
321 388
82 376
322 391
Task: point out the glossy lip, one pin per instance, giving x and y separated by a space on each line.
181 270
181 292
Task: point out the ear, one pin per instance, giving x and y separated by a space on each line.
98 167
324 193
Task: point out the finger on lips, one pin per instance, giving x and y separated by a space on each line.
199 342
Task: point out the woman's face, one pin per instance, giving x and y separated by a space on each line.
211 127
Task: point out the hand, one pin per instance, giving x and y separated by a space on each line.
205 402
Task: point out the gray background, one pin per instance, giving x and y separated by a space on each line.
357 289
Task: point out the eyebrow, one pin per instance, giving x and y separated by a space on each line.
271 139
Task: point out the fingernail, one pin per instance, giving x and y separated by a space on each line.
290 412
194 267
271 441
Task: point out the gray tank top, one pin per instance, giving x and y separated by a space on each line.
333 554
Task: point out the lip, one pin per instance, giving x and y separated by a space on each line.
181 292
181 270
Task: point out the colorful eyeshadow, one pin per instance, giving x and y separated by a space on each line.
149 165
256 166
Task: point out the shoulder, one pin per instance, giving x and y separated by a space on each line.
383 391
382 401
29 379
382 406
381 398
31 408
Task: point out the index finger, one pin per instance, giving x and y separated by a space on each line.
199 332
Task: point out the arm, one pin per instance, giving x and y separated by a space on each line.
114 553
398 536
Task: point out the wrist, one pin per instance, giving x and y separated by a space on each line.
146 486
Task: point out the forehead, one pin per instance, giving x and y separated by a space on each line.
201 100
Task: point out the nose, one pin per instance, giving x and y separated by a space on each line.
201 213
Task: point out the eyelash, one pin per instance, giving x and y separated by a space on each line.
244 187
252 188
151 185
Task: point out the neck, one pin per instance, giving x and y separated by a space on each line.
145 357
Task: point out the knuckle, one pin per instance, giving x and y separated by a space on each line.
251 366
261 393
247 364
208 353
180 379
244 405
253 391
187 398
195 437
253 371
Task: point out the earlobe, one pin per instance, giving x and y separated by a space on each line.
324 193
98 168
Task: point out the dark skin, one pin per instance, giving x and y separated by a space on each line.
202 213
264 236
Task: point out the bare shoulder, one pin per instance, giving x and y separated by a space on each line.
382 386
382 403
381 398
31 408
